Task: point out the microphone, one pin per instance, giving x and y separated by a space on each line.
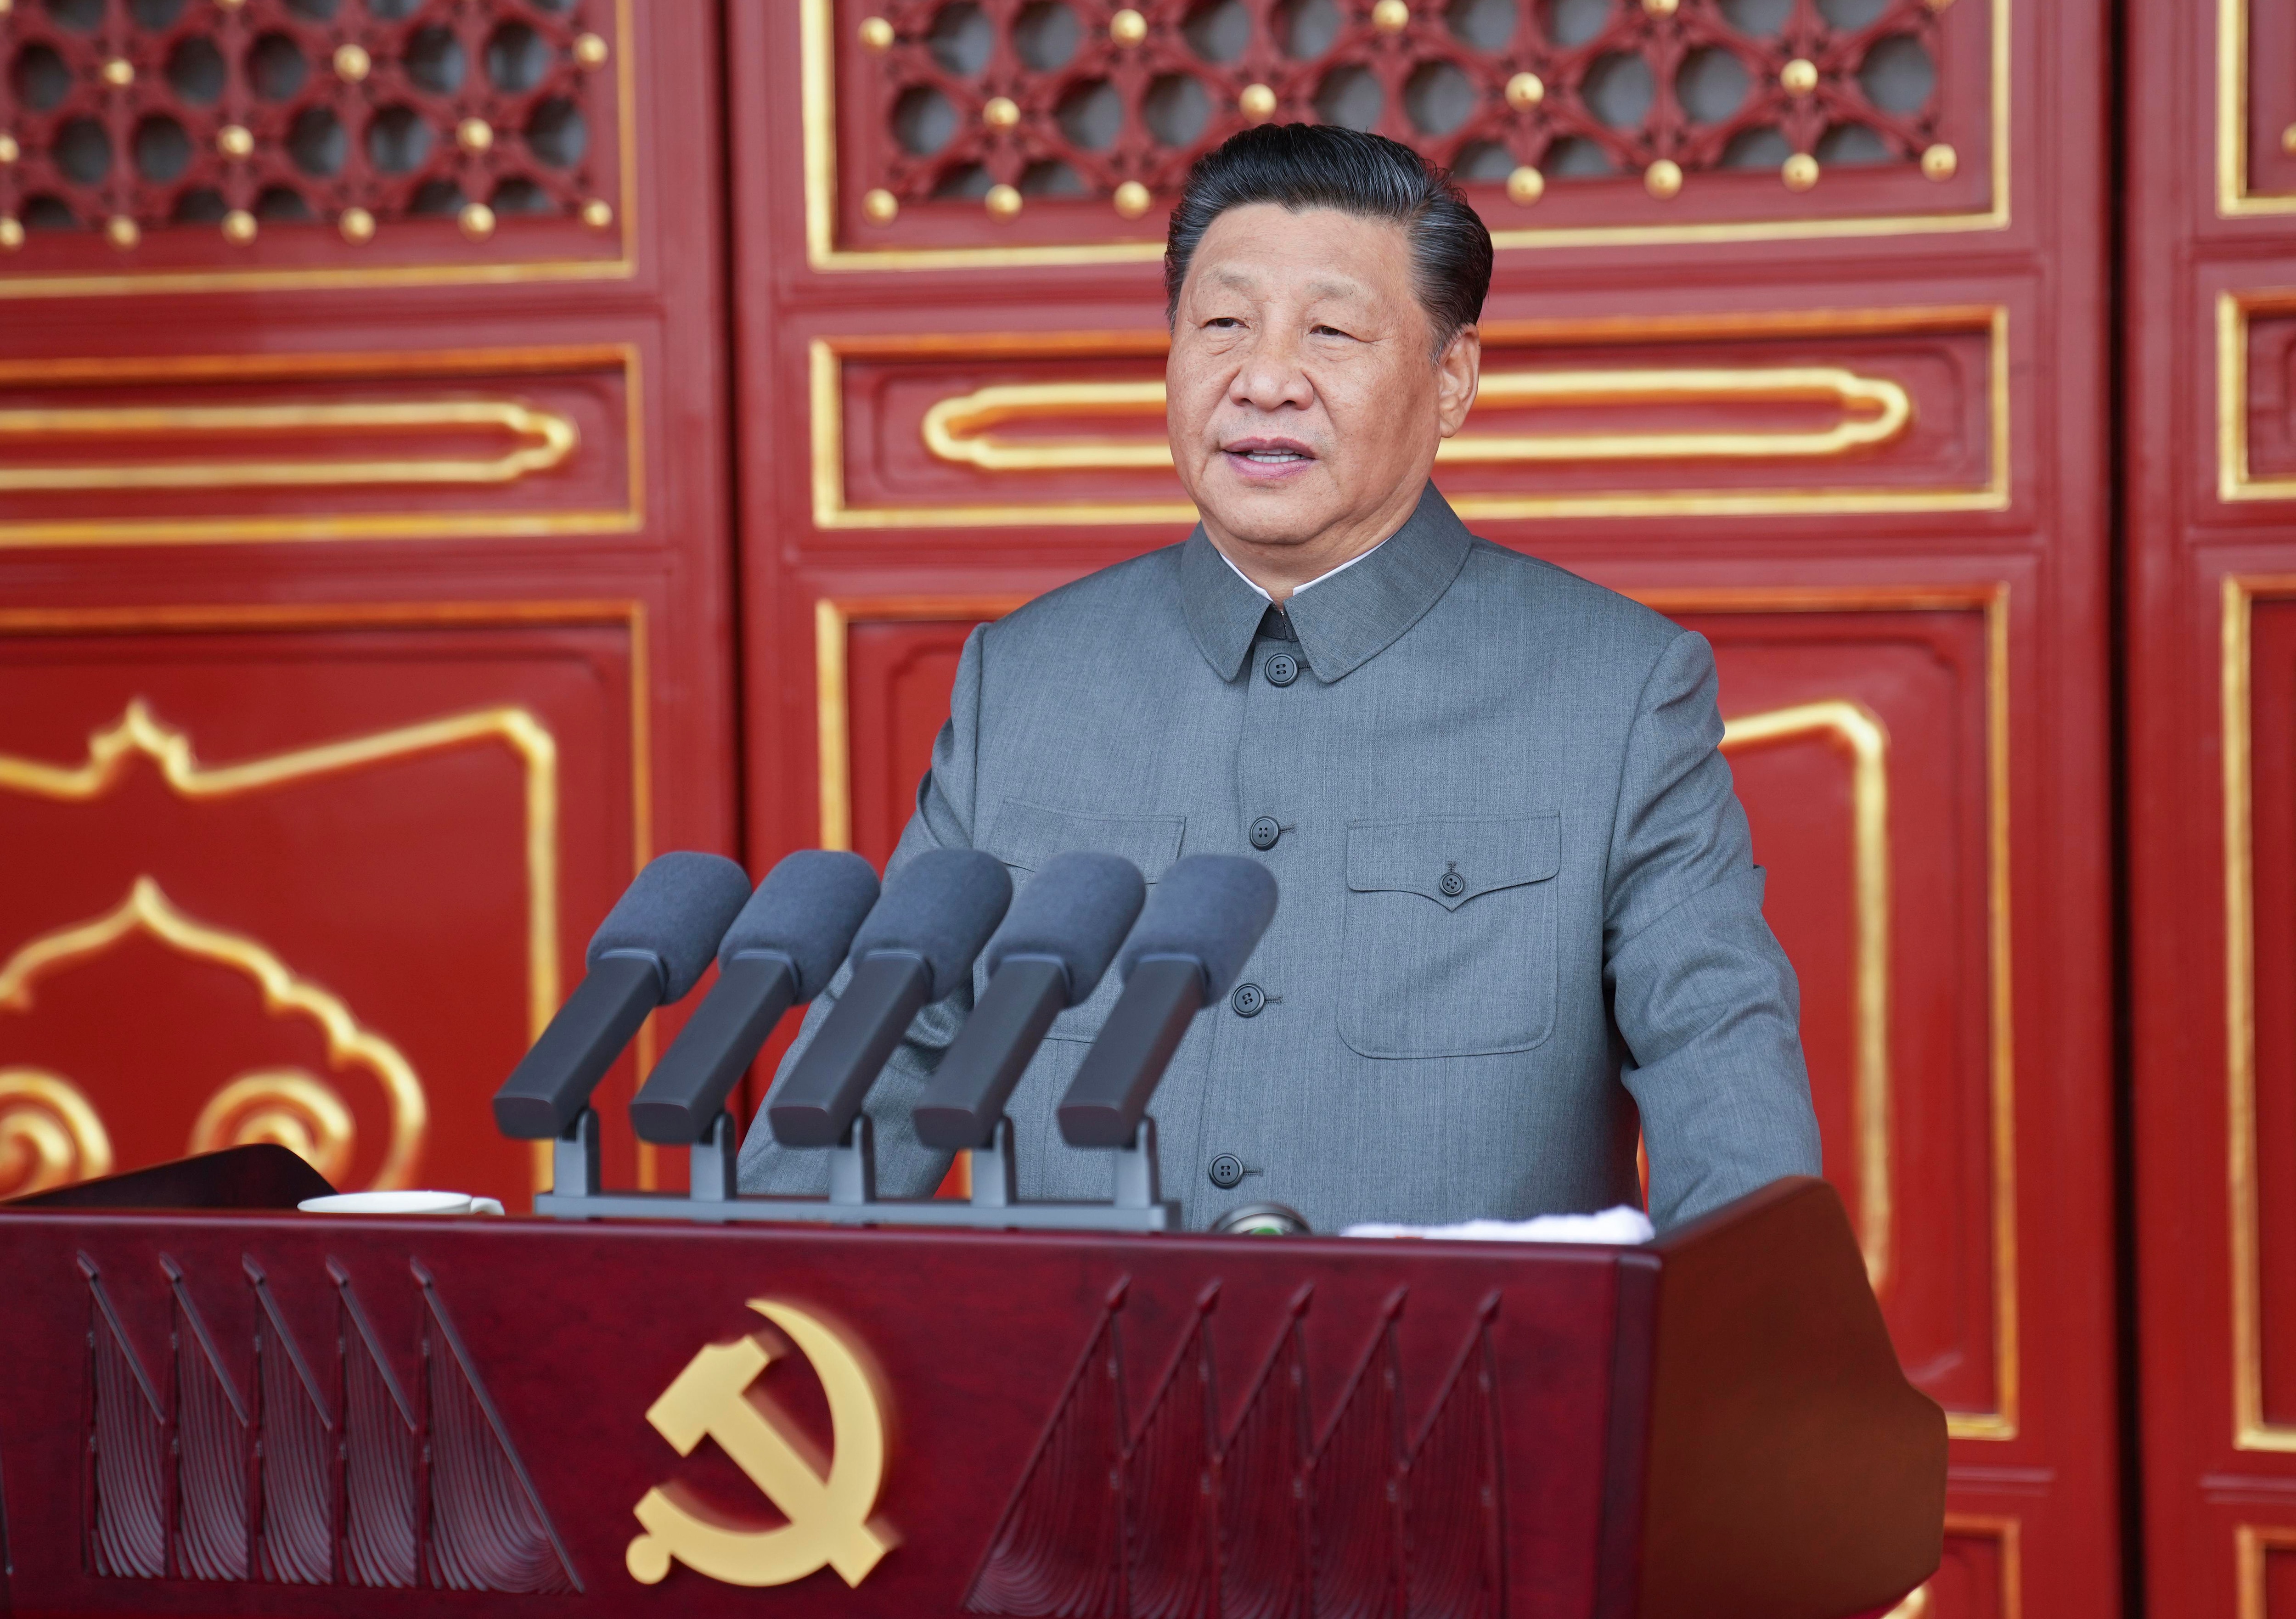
917 947
1200 927
652 946
1056 945
781 952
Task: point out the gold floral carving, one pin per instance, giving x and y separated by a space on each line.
295 1109
147 909
50 1135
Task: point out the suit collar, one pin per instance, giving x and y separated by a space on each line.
1349 618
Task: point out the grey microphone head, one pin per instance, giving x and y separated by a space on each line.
1209 908
806 911
1075 911
941 906
675 913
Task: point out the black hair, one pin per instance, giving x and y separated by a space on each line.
1305 166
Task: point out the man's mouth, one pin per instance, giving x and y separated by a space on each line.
1272 452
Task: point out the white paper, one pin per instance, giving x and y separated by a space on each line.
1624 1225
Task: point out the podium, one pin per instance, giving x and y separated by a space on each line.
244 1411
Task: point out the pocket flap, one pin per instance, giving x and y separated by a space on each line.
1028 835
1452 858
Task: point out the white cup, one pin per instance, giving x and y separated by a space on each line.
400 1202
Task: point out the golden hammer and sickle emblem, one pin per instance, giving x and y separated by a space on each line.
828 1516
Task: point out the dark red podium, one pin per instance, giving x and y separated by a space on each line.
252 1412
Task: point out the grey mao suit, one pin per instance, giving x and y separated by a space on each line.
1518 918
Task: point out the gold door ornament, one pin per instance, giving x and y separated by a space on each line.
50 1134
827 1505
288 1106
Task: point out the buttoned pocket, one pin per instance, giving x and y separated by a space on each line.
1025 835
1450 941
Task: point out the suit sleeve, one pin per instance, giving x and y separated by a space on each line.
943 818
1702 996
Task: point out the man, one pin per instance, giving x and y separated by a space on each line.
1519 921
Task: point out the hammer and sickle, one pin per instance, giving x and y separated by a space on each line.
827 1516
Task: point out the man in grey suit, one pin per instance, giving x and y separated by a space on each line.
1519 920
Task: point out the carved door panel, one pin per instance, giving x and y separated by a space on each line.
2212 276
1796 333
362 559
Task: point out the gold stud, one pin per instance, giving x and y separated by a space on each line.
590 50
1390 16
1128 27
1257 102
1132 200
477 220
879 207
1798 76
11 233
2288 140
1939 161
239 227
9 150
358 226
1660 8
1003 202
236 141
1525 91
352 63
1000 113
229 5
1938 5
7 6
1799 171
120 72
876 34
120 232
1526 185
598 214
1663 179
474 134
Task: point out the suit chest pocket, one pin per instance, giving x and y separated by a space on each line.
1449 938
1024 836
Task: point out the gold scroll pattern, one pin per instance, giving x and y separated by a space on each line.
259 1105
1874 411
278 1105
1861 731
50 1134
544 439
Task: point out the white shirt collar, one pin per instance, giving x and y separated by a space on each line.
1310 585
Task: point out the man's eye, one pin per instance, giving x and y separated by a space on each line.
1328 331
1222 322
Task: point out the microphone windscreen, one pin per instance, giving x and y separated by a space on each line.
806 911
1075 910
1208 908
942 906
675 913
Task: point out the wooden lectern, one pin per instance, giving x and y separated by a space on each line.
246 1411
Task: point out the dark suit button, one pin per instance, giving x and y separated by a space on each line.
1453 884
1249 999
1283 669
1265 832
1227 1170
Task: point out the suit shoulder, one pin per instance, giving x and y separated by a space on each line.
1546 598
1085 606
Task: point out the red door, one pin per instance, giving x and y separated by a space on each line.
1798 333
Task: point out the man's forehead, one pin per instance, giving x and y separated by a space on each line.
1251 278
1249 247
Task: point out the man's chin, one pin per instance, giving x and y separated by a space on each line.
1260 515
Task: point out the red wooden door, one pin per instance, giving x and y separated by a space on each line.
362 612
2211 585
1824 277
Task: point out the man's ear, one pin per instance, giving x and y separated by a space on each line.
1458 372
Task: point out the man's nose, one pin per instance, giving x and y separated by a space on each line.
1270 377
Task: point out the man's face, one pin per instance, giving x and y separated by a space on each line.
1302 398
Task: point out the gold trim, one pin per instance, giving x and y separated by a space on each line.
288 1106
2250 1543
961 429
2010 1533
1858 729
834 616
51 1120
551 438
557 433
623 266
147 907
825 376
817 109
2234 200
